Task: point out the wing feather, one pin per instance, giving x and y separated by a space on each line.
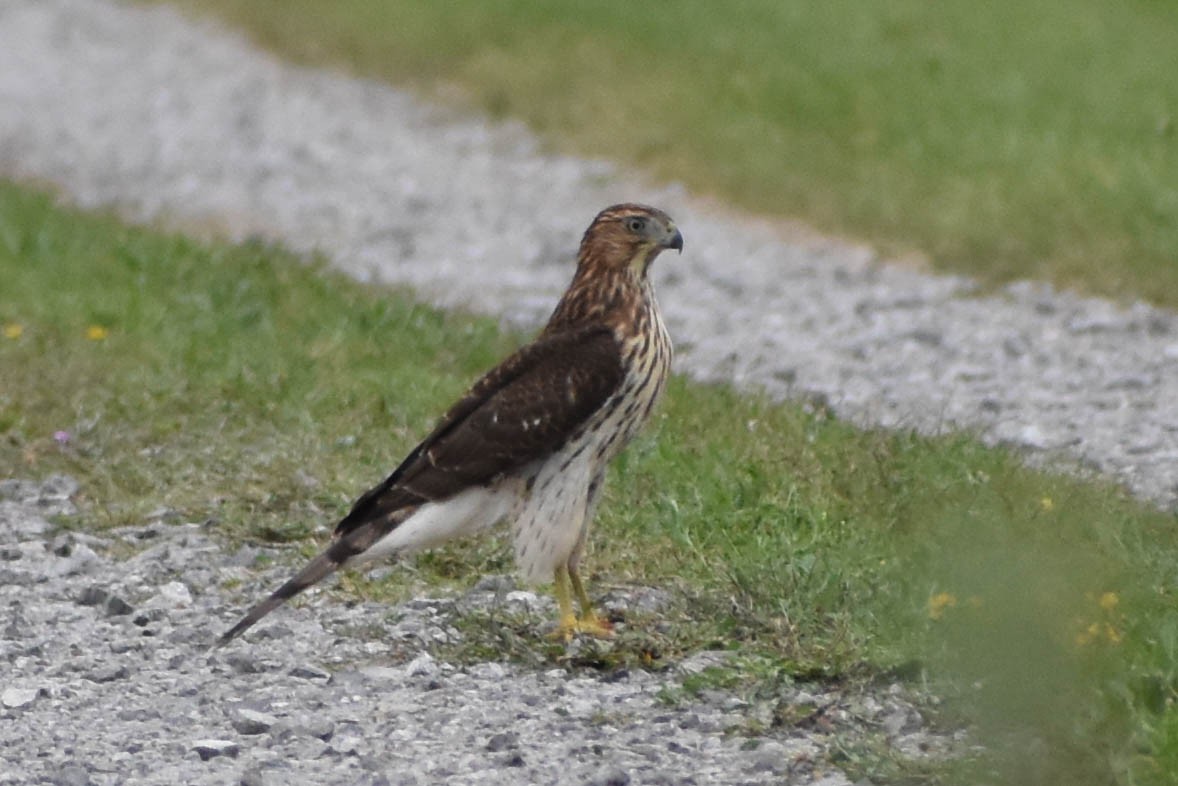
522 410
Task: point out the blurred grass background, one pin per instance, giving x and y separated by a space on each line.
1003 140
241 385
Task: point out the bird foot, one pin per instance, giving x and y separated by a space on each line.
589 625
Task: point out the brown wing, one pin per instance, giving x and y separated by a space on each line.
522 410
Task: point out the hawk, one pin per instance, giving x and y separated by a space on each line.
531 439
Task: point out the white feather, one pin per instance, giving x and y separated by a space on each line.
552 520
466 513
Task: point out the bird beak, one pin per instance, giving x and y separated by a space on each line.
675 241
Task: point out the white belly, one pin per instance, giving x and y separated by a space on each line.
552 520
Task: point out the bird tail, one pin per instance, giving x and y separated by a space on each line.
316 570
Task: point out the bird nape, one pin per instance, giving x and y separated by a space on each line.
531 440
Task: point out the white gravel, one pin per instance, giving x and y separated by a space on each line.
107 679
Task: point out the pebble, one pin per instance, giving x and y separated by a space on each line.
769 757
253 777
502 741
71 775
15 698
610 776
174 595
309 672
212 748
110 604
423 665
25 521
109 673
248 722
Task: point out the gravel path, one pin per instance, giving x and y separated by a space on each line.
105 679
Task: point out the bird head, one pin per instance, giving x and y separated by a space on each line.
628 237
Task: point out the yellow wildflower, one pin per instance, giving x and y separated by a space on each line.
1109 600
13 330
97 332
939 602
1047 503
1112 634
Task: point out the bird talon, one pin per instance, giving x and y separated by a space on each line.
591 625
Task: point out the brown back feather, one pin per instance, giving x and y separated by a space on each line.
522 410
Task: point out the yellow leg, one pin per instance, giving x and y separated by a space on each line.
568 625
590 622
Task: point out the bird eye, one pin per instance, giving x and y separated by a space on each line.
636 224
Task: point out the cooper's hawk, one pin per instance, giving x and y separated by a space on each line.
531 439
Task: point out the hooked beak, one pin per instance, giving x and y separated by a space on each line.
675 241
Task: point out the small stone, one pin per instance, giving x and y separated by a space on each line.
894 723
489 671
423 665
173 595
769 757
246 721
108 674
1096 323
1032 436
1131 382
148 617
611 776
701 661
645 600
990 405
927 336
22 521
435 605
77 558
111 604
521 598
164 514
320 728
71 775
15 698
253 777
1016 346
309 672
211 748
513 760
502 741
58 487
831 779
243 663
1147 445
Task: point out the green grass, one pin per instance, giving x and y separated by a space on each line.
1004 140
240 384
